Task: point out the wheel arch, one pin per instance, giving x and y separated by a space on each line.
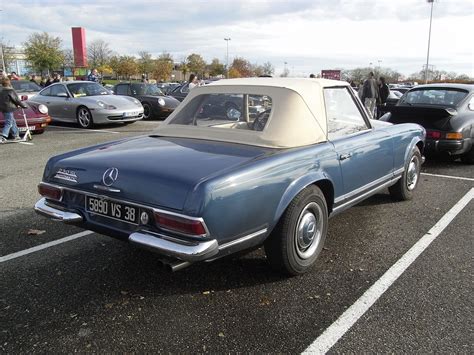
319 179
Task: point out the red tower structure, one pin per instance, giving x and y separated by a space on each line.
79 46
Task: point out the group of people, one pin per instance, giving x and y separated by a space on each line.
373 92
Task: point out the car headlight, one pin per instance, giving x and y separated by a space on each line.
102 104
137 102
161 102
43 109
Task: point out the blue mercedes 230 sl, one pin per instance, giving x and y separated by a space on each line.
239 164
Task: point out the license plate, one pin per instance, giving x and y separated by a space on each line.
130 114
112 209
23 129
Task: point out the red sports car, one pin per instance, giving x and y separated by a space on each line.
36 116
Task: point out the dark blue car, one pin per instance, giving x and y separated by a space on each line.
211 182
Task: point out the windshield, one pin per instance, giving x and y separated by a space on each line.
25 86
146 89
238 111
87 89
438 97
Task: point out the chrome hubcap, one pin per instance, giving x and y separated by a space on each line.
84 118
412 174
308 230
146 111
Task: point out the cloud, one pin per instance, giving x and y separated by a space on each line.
308 34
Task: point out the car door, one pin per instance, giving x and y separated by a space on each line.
365 154
54 102
122 89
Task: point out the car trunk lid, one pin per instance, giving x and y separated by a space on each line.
429 117
151 170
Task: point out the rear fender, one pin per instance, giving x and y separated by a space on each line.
297 186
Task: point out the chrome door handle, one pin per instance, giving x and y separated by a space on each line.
345 156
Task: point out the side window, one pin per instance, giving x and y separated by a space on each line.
185 89
343 115
46 92
470 105
58 89
122 90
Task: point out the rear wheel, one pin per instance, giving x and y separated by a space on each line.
405 187
299 236
468 157
84 117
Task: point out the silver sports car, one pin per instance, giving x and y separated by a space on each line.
87 103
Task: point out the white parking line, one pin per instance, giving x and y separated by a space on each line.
336 330
43 246
85 130
449 176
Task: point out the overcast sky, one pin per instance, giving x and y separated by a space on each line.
309 35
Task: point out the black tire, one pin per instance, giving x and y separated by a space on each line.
468 158
147 111
84 117
405 187
299 236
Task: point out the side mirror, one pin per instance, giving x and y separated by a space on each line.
62 94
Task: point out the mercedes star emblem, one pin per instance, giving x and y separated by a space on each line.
110 176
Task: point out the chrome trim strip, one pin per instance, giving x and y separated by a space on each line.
42 208
399 171
364 195
82 192
196 252
106 188
242 239
363 188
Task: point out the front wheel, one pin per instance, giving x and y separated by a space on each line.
405 187
84 117
299 236
147 112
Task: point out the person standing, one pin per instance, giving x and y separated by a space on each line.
370 94
384 90
193 81
33 79
93 76
9 102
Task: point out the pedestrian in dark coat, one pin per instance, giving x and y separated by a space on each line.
9 102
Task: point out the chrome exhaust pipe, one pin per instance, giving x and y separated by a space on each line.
173 266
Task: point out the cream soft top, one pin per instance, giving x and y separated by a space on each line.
297 118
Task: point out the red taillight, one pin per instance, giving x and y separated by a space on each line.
51 192
433 134
181 225
24 97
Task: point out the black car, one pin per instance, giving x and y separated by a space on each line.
446 111
155 103
180 92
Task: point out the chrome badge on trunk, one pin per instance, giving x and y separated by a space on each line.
68 175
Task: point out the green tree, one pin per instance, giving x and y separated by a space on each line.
145 62
127 66
163 67
196 63
242 66
98 53
43 51
268 68
8 52
216 68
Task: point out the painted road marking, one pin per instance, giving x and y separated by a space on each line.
43 246
336 330
86 130
449 176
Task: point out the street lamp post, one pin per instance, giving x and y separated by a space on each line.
227 57
429 40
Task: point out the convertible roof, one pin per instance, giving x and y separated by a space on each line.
297 119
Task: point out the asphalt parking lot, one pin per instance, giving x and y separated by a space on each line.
91 293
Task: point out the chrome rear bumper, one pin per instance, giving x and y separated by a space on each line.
159 243
64 216
191 252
